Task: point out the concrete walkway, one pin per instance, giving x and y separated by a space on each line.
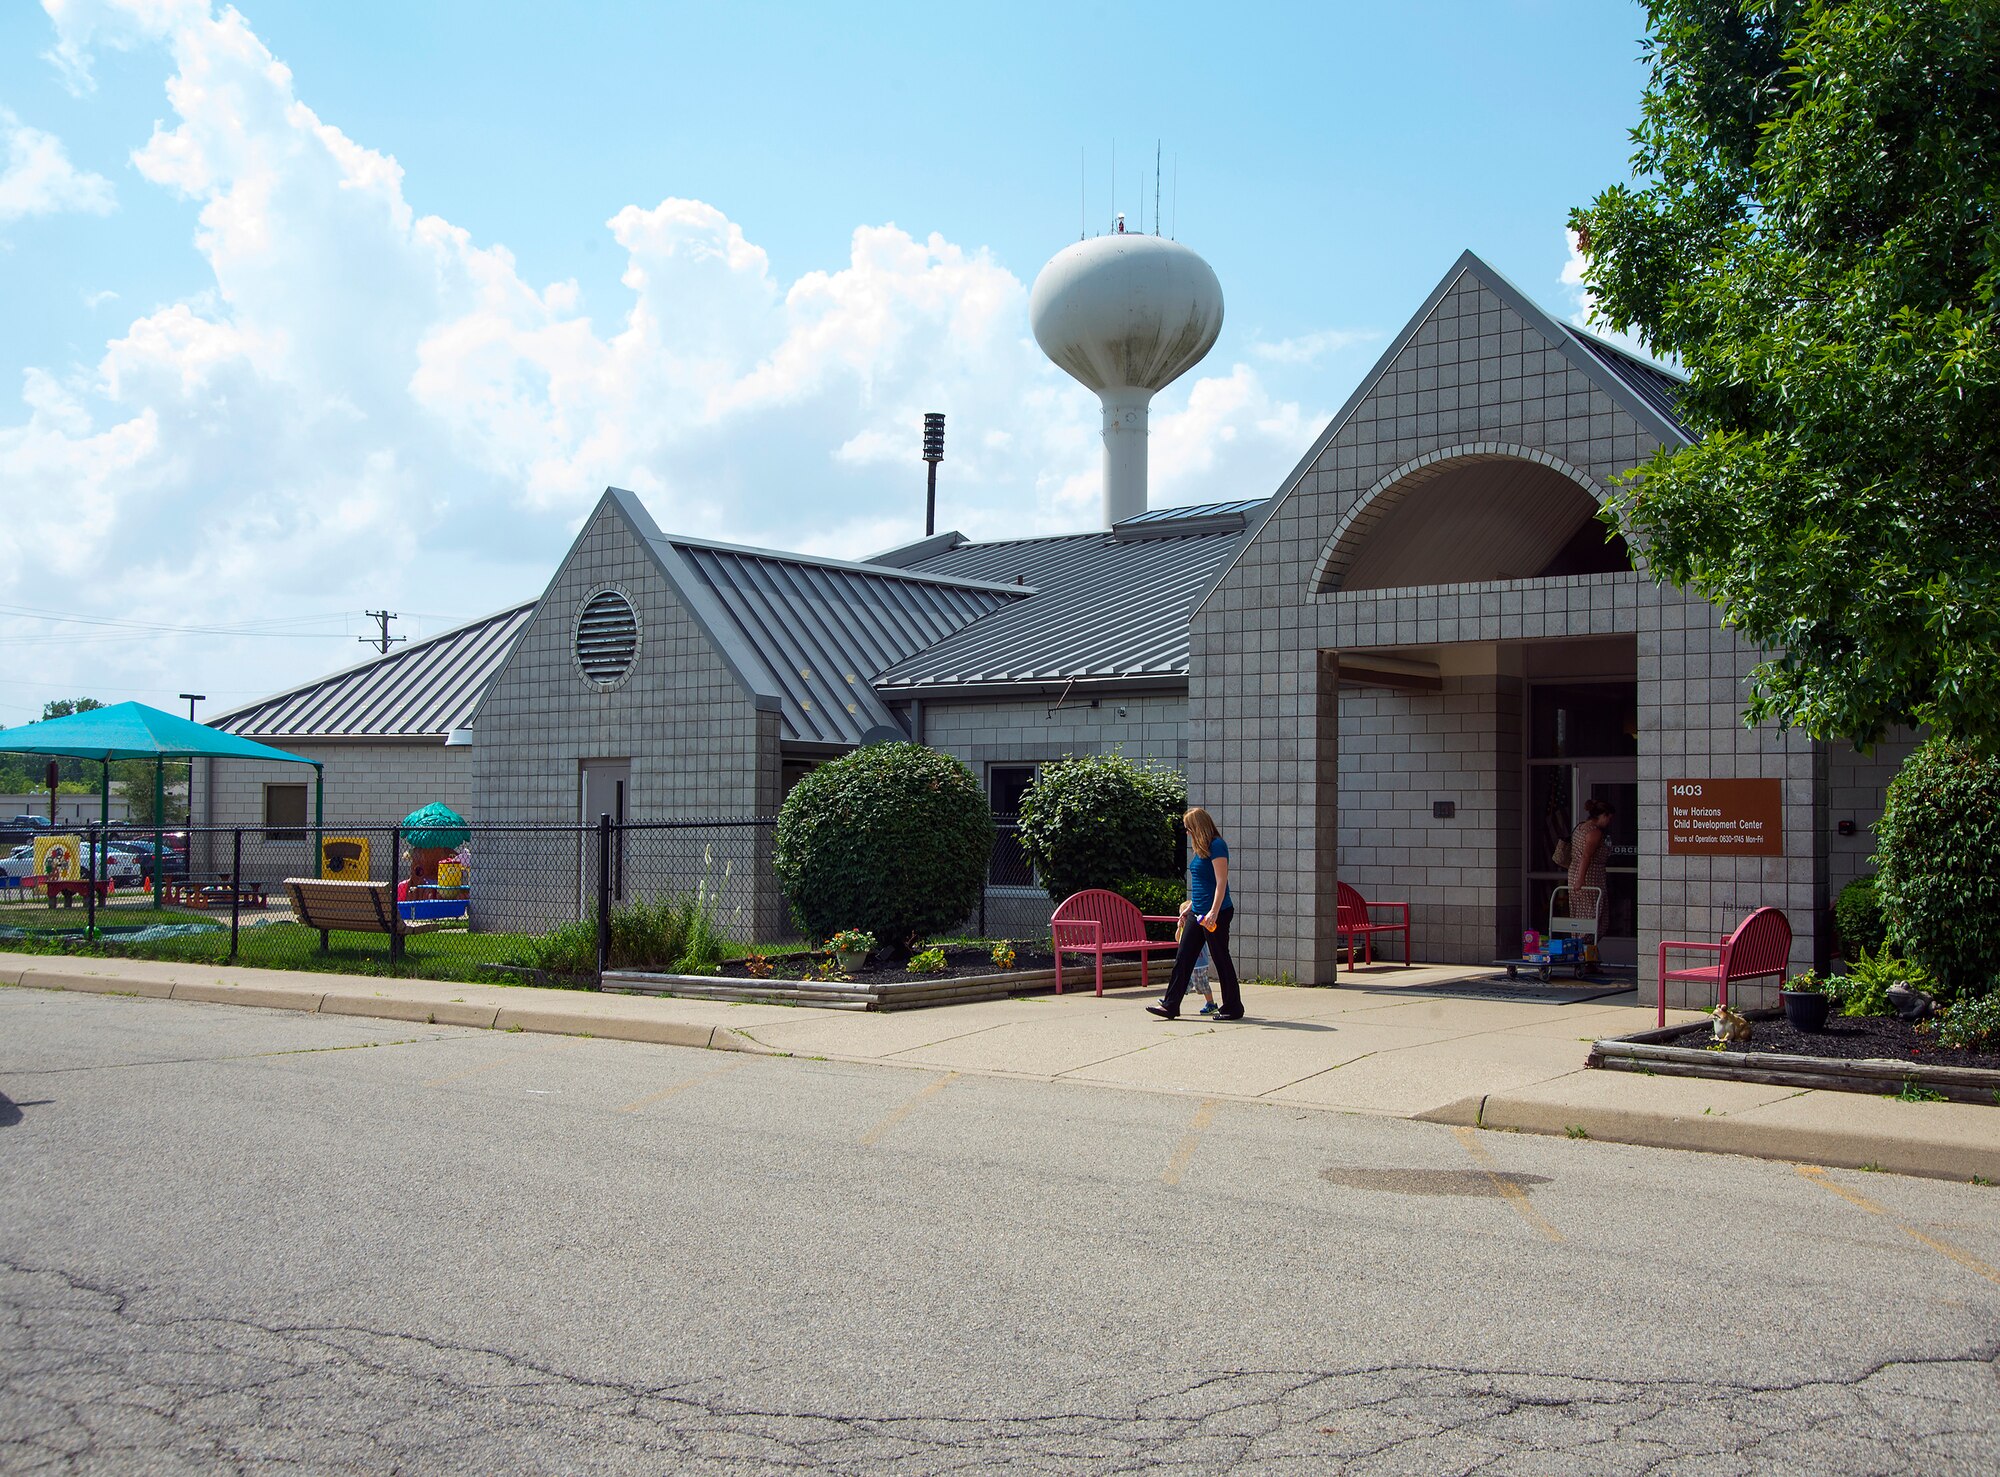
1386 1043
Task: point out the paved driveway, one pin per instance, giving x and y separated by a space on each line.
240 1240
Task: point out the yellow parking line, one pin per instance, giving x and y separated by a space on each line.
506 1061
1197 1126
1512 1193
1817 1176
932 1090
679 1087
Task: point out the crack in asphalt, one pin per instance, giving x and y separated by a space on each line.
98 1378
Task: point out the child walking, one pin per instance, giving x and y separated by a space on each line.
1198 981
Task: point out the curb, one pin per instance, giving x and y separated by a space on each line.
534 1016
1836 1148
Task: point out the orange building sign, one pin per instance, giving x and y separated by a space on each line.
1725 818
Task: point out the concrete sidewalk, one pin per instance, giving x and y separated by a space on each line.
1382 1043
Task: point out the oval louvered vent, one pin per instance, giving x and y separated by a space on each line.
607 638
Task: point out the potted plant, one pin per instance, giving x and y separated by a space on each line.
1806 1002
851 946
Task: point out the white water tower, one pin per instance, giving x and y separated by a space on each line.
1127 314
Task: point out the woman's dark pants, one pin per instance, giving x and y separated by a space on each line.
1192 938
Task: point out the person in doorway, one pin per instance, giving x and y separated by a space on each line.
1212 908
1589 854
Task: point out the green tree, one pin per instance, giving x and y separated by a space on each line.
1814 233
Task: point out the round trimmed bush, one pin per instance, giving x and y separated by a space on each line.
1095 822
1937 863
893 838
1857 917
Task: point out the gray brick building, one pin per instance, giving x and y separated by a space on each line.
1429 653
1406 670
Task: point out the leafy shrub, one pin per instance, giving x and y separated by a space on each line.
1937 863
1857 917
893 839
1095 822
1161 896
1973 1024
928 961
1864 989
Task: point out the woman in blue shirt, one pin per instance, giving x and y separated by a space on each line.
1213 908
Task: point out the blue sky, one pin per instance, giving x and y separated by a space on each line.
313 308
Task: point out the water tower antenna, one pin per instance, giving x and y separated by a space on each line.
1156 186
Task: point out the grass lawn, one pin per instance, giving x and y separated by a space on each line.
445 955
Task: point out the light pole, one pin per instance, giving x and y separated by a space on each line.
933 453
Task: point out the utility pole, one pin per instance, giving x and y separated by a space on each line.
384 640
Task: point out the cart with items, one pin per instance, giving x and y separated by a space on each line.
1571 942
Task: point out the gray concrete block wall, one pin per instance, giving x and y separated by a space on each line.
1692 688
367 785
698 741
1400 752
1145 727
1475 379
1857 785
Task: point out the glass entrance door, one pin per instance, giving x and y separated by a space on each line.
1616 783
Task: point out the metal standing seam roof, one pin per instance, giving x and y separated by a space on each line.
425 689
824 629
1105 608
1656 386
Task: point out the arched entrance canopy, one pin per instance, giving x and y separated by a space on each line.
1467 514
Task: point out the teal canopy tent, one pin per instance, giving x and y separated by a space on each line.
436 826
135 731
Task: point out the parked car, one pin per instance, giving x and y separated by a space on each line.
20 862
24 828
173 860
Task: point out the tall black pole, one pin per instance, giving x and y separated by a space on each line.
933 453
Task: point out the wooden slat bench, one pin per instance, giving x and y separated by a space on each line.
352 907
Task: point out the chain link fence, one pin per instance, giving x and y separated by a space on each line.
515 901
533 901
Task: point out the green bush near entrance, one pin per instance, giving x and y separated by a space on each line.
1857 917
894 839
1096 821
1937 863
1161 897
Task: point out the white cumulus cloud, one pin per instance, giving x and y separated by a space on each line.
38 179
367 405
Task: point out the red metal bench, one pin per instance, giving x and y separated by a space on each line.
1760 947
1099 922
1354 921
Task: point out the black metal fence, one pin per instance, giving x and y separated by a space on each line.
516 898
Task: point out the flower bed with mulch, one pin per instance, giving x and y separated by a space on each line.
1878 1054
1853 1038
962 961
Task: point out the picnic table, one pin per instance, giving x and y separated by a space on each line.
212 892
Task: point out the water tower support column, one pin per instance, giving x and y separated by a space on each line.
1125 421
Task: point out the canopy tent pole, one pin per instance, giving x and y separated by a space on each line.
159 818
319 819
104 797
